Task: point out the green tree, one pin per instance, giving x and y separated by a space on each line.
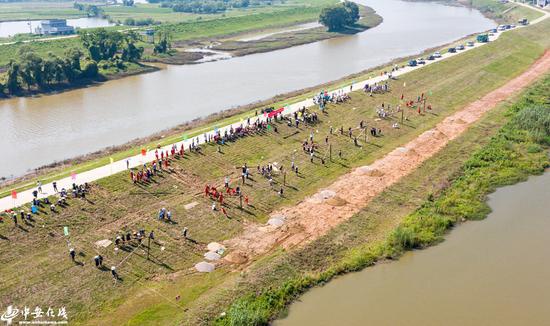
12 82
164 43
337 17
353 12
94 11
90 69
74 55
31 70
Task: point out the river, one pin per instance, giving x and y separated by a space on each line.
40 130
11 28
490 272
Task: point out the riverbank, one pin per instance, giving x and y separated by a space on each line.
159 290
517 150
235 48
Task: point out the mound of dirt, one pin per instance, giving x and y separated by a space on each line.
367 170
236 257
336 201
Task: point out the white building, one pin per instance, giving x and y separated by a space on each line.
54 27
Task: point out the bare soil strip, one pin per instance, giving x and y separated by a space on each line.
317 214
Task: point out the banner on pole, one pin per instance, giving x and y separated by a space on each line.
73 175
14 194
111 160
66 231
143 152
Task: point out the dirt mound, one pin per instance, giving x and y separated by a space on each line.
367 170
336 201
236 257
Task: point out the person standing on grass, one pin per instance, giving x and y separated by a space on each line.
114 273
39 186
55 187
97 261
72 253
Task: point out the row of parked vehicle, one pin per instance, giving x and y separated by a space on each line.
481 38
437 54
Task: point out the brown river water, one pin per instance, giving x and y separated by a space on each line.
490 272
48 128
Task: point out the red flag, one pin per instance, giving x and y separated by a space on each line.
143 151
14 194
402 96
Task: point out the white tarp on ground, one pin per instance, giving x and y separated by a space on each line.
276 221
190 205
204 267
103 243
212 255
214 246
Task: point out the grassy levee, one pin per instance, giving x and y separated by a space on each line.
450 188
505 12
35 267
233 25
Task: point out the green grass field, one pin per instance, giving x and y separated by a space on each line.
35 264
38 10
505 12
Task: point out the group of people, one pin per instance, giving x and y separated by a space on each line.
323 98
78 191
376 88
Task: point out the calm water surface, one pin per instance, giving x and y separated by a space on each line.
491 272
37 131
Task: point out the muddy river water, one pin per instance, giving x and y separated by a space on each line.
41 130
490 272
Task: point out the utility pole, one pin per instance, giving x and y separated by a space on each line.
148 246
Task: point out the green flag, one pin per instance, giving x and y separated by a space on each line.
66 231
185 136
268 127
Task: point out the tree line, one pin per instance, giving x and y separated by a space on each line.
102 49
210 6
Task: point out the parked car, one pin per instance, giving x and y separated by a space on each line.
451 50
437 54
420 61
482 38
523 21
494 30
460 47
413 63
470 44
430 57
